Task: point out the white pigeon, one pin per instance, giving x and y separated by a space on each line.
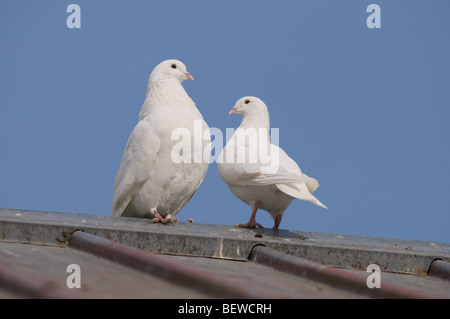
153 180
260 173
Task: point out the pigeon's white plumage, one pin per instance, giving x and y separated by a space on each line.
150 182
269 180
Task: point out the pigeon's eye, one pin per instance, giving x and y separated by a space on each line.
247 101
174 66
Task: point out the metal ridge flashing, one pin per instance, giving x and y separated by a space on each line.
223 241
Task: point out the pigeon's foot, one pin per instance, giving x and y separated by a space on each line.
173 220
250 224
159 219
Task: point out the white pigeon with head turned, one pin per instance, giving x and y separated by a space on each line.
260 173
154 180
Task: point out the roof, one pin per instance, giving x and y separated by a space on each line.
133 258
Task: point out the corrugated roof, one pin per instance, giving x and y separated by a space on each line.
132 258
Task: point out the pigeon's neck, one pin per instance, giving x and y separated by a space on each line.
256 120
164 90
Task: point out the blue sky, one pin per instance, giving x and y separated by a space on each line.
365 111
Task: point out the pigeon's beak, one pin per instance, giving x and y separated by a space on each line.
190 77
233 110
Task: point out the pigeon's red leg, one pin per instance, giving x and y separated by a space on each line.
277 221
252 222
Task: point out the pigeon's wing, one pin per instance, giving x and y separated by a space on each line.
282 171
301 190
277 167
136 167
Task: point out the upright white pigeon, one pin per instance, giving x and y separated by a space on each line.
260 173
166 156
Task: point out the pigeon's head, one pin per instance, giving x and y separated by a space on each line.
249 105
172 68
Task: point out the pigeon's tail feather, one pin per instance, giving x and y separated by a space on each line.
318 203
311 183
300 191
